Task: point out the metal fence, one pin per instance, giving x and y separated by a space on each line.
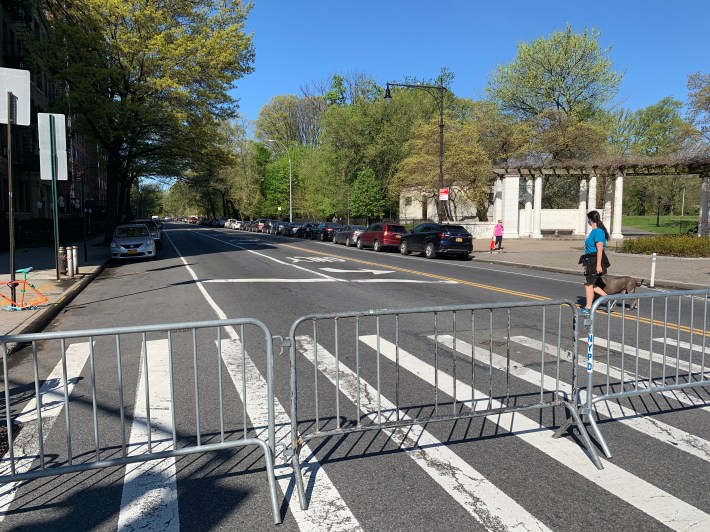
655 343
463 352
137 380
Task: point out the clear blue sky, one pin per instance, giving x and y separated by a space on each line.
658 43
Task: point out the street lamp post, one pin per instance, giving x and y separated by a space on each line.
290 180
438 92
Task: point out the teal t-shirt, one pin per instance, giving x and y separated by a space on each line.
590 243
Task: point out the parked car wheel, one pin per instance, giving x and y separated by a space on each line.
403 248
348 243
359 243
376 246
322 236
429 251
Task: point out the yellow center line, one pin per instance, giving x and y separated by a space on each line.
536 297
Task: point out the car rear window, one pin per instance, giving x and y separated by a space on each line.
131 232
396 229
456 230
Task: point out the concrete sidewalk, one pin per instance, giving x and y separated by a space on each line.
562 255
550 254
44 278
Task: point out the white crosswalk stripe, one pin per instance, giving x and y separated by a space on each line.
327 509
52 403
149 498
662 506
653 428
682 396
483 500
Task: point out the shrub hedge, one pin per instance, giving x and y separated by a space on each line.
672 245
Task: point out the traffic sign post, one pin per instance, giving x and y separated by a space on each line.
53 163
15 86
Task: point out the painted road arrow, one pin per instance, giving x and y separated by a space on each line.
376 272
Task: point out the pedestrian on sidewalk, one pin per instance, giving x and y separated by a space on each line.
594 260
498 234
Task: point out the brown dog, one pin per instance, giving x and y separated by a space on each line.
618 285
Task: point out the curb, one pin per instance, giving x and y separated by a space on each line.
658 283
51 312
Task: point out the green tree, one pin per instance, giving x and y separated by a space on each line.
366 197
566 72
467 168
660 129
699 103
147 81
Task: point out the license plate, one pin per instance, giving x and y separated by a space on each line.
459 239
132 251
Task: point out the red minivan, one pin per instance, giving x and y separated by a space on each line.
381 235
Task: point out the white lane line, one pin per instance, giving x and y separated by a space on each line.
475 493
411 281
327 509
375 272
682 396
272 280
677 438
52 401
149 498
660 505
274 259
684 345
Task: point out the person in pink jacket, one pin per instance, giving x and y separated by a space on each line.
498 234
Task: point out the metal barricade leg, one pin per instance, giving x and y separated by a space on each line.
298 477
575 419
598 435
271 478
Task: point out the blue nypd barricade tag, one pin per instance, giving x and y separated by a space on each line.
590 352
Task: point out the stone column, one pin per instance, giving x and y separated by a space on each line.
498 199
510 214
537 208
618 207
528 221
582 208
591 199
608 197
703 221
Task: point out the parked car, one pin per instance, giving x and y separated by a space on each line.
132 241
292 228
284 228
325 231
230 223
266 228
348 234
275 228
433 238
380 236
306 230
156 230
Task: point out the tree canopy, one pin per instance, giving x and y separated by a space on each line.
148 81
566 72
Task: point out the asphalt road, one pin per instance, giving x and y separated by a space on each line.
498 472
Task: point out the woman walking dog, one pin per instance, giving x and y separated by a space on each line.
594 260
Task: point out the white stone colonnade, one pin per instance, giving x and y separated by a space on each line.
507 196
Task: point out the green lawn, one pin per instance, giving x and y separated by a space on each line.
667 225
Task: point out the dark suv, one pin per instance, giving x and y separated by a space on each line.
432 238
156 230
325 231
381 235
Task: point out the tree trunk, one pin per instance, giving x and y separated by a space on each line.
113 173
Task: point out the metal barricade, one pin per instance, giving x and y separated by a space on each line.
165 368
656 345
456 350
